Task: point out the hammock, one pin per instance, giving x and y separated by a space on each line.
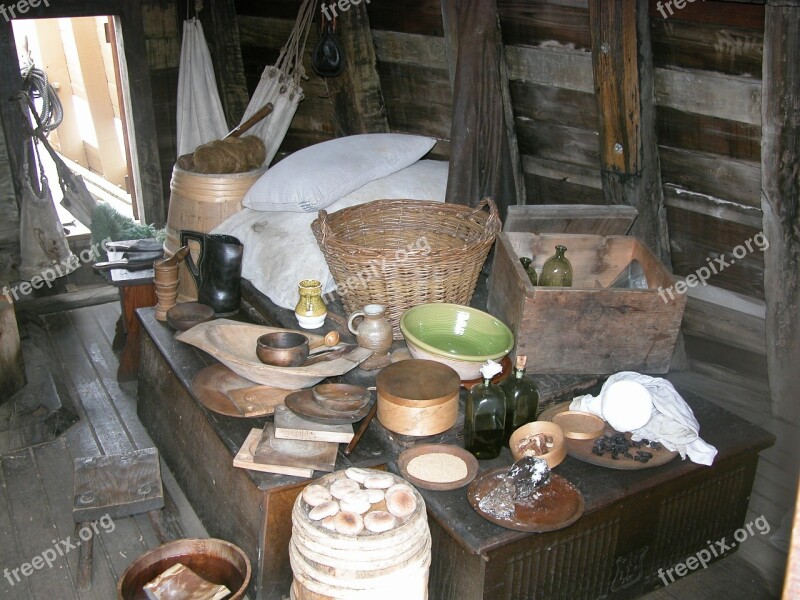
200 115
280 85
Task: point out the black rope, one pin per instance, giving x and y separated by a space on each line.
37 86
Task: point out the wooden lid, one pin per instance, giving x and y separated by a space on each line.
418 383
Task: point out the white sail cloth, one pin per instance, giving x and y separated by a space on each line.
200 115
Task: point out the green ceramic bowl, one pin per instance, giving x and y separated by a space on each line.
456 331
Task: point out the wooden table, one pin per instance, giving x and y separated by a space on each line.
636 522
136 290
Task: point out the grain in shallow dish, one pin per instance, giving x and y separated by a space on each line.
437 467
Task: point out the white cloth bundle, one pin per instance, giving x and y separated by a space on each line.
200 115
673 423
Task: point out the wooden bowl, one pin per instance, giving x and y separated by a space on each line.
341 396
215 560
557 452
282 349
188 314
579 425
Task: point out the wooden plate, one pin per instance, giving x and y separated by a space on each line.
558 505
303 404
222 391
582 449
505 362
341 396
407 455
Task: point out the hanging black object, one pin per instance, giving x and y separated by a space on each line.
327 58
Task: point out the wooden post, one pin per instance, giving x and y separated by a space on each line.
780 202
356 94
622 62
12 370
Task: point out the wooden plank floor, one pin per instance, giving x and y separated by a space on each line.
36 491
36 483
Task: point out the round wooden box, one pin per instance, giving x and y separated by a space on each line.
418 397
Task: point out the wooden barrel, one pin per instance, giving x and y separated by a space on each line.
200 202
328 565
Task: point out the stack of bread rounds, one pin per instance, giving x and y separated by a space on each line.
359 501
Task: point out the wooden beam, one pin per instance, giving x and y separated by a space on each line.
12 370
140 115
356 94
622 63
226 53
780 202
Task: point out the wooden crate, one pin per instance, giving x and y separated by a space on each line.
587 328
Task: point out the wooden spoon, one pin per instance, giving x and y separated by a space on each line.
331 339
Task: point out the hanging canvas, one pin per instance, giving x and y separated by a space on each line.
280 85
200 115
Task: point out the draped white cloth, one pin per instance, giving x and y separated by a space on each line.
673 423
200 115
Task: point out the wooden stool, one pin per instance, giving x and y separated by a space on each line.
114 487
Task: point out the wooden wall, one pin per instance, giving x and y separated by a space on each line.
548 52
708 93
9 216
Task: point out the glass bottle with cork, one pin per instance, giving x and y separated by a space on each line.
522 399
485 415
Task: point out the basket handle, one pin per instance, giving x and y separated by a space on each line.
494 215
324 227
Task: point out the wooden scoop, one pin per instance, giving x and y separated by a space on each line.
176 258
331 339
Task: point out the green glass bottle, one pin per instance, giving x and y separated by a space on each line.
485 418
531 272
522 399
557 270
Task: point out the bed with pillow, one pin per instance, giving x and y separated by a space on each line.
275 225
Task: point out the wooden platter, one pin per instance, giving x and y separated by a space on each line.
582 449
222 391
234 345
556 505
408 455
302 403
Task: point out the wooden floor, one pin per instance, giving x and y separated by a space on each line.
36 490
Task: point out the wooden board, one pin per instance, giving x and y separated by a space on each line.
244 459
290 426
117 485
573 218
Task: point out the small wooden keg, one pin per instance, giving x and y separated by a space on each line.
200 202
418 397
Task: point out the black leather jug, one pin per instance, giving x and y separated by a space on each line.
327 59
218 273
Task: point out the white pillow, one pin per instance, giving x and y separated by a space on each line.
280 249
315 177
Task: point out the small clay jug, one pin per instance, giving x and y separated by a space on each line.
374 332
310 310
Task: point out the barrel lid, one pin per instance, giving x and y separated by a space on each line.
420 381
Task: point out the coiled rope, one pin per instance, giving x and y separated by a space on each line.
36 84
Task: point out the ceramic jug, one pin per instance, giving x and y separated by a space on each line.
310 310
374 332
218 272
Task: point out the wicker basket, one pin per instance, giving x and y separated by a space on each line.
401 253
